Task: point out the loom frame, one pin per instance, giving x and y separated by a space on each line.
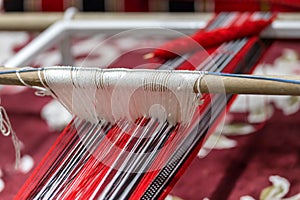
61 32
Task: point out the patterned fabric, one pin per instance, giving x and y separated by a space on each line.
257 5
153 5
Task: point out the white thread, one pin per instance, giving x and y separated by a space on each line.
198 83
40 77
114 94
198 86
20 78
5 127
40 90
6 130
61 85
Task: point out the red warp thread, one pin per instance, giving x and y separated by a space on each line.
208 39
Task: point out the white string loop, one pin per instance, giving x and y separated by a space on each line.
6 130
5 126
40 91
198 87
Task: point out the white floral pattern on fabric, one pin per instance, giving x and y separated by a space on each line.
171 197
55 115
26 164
279 189
216 142
2 184
247 198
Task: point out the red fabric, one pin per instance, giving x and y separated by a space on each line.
237 5
143 5
136 5
232 173
52 5
257 5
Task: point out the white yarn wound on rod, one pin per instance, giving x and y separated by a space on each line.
113 94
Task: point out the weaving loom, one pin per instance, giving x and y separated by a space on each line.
81 164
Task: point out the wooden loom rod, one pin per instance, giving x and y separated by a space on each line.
31 78
38 21
208 84
235 85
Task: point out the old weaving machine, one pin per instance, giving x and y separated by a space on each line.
136 131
